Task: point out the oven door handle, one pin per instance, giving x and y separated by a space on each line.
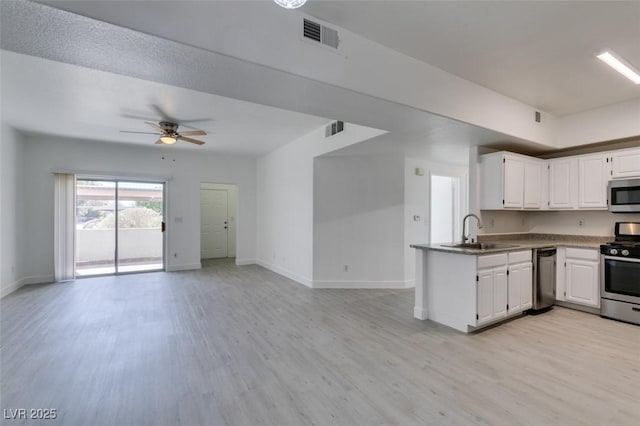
622 259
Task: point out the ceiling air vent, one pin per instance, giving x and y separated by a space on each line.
320 33
334 128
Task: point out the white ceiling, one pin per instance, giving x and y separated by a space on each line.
75 76
539 52
44 96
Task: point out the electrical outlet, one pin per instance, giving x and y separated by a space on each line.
492 223
346 268
581 223
416 218
175 255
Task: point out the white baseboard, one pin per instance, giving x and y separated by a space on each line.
421 314
185 267
285 273
39 279
243 262
393 285
10 288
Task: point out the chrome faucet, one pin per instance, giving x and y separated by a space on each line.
464 227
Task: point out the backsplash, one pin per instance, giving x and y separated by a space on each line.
503 222
574 222
578 222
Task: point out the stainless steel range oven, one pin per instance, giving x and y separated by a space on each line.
620 274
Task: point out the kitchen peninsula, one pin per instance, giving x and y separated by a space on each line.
474 286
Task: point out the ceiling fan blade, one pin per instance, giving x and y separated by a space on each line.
193 133
196 120
190 140
159 142
163 114
155 126
142 133
138 117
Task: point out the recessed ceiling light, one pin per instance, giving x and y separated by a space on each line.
290 4
620 65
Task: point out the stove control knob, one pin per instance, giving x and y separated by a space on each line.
625 252
613 252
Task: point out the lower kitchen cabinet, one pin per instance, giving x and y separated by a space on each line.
467 291
520 279
492 294
504 285
582 277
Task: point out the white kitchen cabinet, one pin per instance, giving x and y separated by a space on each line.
504 285
520 287
491 288
533 183
520 281
625 163
594 173
503 184
491 294
582 277
467 292
562 183
513 182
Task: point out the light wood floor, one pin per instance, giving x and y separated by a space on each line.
234 345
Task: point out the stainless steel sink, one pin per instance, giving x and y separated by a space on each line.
479 246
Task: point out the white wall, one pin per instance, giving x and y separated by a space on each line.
417 201
358 222
594 223
11 263
612 122
598 223
503 222
285 210
186 169
232 200
284 241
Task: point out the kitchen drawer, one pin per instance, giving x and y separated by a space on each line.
519 256
583 254
492 260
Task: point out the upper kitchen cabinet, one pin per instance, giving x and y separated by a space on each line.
594 173
533 173
563 176
625 163
504 182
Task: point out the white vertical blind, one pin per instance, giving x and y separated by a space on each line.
64 226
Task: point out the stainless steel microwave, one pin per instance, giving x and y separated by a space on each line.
624 195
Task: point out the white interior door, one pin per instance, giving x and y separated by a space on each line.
214 219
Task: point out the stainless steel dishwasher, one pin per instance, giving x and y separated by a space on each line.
544 282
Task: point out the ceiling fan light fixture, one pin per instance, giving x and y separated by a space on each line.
620 65
290 4
168 140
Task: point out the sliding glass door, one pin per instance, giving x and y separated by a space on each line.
119 227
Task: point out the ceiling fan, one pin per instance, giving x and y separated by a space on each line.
168 129
169 133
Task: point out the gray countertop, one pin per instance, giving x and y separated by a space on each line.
522 242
